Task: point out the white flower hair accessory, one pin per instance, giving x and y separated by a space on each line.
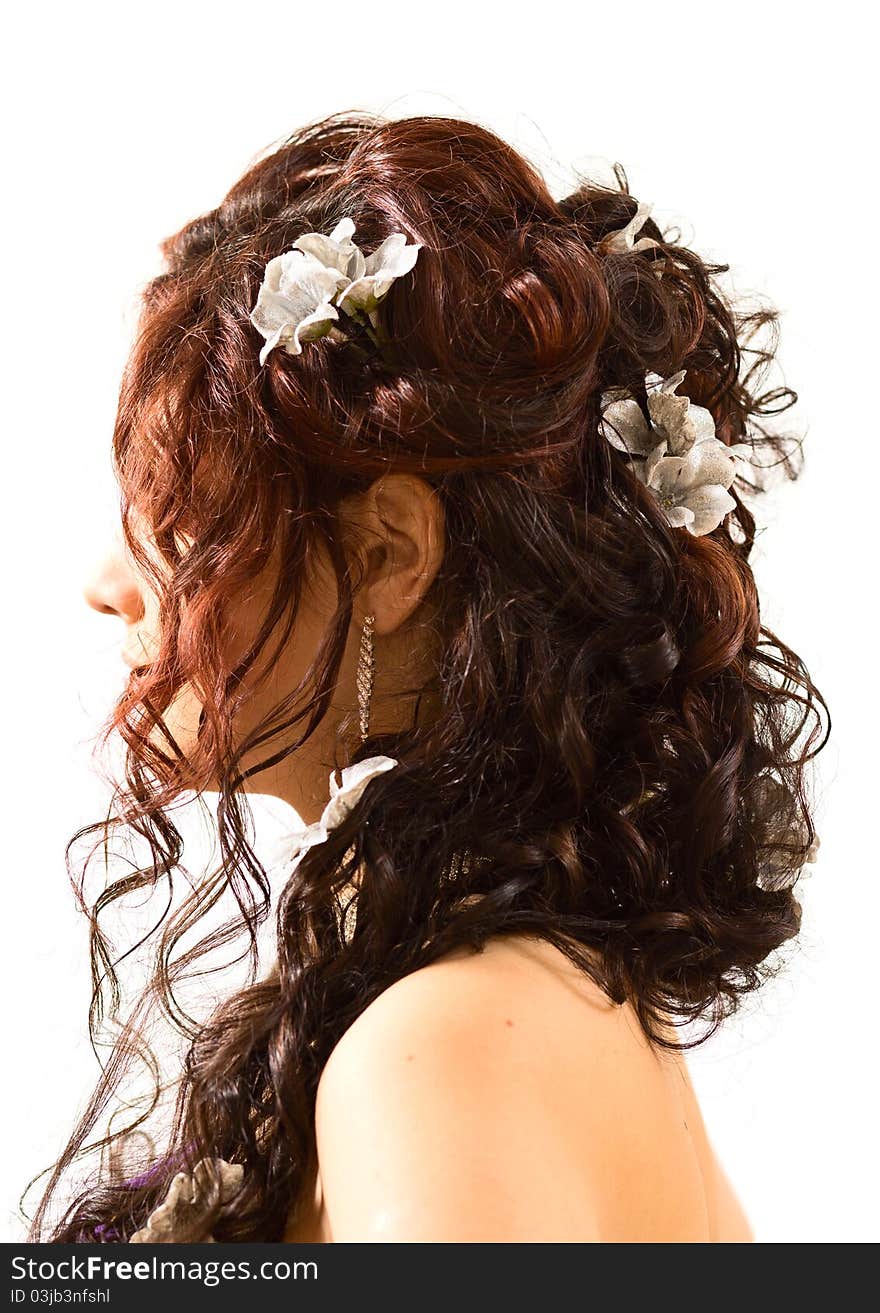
283 854
676 454
623 241
304 289
188 1198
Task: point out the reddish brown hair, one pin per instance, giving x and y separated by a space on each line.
616 734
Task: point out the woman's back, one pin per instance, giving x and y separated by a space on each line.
501 1096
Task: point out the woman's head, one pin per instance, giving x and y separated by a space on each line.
470 378
581 694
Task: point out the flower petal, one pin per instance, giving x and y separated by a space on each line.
336 251
271 343
393 257
621 242
343 230
670 415
215 1178
743 451
274 308
708 462
276 318
626 428
656 382
665 472
190 1195
304 276
272 275
358 296
272 312
316 325
679 517
390 260
288 845
291 334
702 423
709 503
354 780
660 452
167 1217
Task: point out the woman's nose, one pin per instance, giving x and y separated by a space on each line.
113 589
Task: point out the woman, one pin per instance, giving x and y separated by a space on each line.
431 478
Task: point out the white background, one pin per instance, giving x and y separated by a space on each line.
747 124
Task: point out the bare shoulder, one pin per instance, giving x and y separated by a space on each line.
467 1012
472 1100
518 998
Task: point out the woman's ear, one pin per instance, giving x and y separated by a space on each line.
398 526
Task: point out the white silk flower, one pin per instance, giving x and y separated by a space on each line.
304 289
675 452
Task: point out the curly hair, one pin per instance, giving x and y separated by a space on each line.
615 735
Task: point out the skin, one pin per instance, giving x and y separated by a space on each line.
396 530
489 1097
502 1097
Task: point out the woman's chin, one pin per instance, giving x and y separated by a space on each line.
180 724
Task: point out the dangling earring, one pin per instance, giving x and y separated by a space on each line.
364 678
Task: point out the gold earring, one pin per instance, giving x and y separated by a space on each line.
364 678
